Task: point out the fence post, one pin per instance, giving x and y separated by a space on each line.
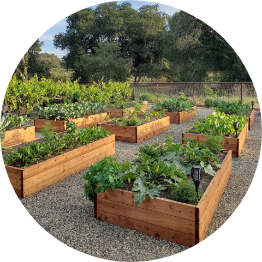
157 91
193 92
133 93
241 92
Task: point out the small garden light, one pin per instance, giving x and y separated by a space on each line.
197 175
252 103
236 126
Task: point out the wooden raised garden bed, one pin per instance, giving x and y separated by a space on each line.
177 222
137 134
229 143
251 119
27 181
117 113
17 136
180 117
82 122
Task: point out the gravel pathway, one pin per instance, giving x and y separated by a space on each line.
64 212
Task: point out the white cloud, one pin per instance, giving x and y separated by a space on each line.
58 53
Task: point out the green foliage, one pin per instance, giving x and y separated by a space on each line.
185 192
219 124
175 104
155 169
5 125
71 126
214 143
131 121
19 121
66 111
210 92
106 63
208 102
35 152
103 174
231 107
148 97
48 132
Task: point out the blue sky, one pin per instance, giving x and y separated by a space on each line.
48 36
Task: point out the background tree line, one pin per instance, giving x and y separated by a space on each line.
116 42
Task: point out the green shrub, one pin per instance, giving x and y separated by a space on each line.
147 97
214 143
208 102
185 192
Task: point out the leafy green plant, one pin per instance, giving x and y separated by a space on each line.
175 104
214 143
19 121
48 132
131 121
115 120
5 125
210 92
53 145
231 107
185 192
218 124
208 102
66 111
155 169
102 176
148 97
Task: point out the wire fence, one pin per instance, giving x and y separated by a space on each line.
231 91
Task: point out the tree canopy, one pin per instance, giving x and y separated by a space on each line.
115 41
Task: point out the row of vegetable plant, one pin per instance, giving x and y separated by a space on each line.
14 121
231 107
24 94
155 169
67 111
175 104
218 124
53 144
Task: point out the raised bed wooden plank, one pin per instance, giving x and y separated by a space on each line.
180 117
147 216
189 222
117 113
82 122
51 171
229 143
211 198
18 136
160 205
137 134
149 229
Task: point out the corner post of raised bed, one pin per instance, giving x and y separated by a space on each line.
197 221
95 203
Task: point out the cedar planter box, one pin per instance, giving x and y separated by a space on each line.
117 113
180 117
60 125
177 222
229 143
17 136
251 119
27 181
137 134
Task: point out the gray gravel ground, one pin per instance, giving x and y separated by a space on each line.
64 212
